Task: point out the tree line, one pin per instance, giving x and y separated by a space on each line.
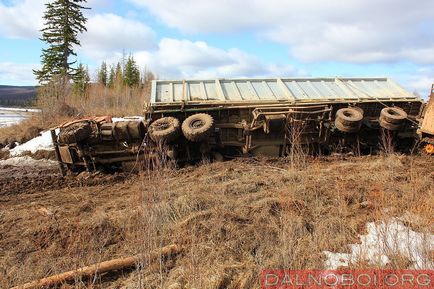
124 73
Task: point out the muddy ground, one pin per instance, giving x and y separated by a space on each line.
230 220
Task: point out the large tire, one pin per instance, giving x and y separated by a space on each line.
129 131
393 115
75 132
349 116
198 127
349 119
346 128
165 129
389 126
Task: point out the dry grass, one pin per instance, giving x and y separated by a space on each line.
96 100
29 128
232 219
116 101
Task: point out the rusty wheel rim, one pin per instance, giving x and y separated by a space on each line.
197 124
429 148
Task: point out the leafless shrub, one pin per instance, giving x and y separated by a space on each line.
294 133
387 143
149 217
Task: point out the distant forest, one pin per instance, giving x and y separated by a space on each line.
17 95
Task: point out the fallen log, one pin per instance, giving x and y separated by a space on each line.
98 268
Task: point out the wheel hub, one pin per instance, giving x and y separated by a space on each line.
429 149
162 126
197 124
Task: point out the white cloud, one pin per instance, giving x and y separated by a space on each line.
107 33
355 31
351 31
419 81
22 20
17 73
186 59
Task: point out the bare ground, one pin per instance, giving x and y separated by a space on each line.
231 219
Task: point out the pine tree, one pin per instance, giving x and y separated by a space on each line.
81 80
131 73
111 78
102 74
64 20
119 76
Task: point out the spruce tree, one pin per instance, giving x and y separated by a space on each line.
111 78
81 80
119 76
102 74
64 20
131 73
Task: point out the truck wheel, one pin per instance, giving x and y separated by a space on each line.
346 128
165 129
393 115
389 126
75 132
198 127
349 119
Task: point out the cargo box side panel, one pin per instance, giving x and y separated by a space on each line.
428 119
173 95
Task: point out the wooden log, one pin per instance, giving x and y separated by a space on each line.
98 268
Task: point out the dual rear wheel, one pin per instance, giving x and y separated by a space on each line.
350 119
197 127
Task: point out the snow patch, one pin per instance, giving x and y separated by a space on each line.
26 161
128 118
40 143
20 109
386 239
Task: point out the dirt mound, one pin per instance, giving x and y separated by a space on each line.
231 219
4 154
41 155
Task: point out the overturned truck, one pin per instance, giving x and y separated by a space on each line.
226 118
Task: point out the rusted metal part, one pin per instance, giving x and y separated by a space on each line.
429 148
427 126
57 152
97 119
65 154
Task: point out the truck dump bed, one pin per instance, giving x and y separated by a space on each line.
275 90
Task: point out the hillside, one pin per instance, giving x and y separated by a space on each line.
16 95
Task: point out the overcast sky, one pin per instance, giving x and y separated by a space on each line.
237 38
